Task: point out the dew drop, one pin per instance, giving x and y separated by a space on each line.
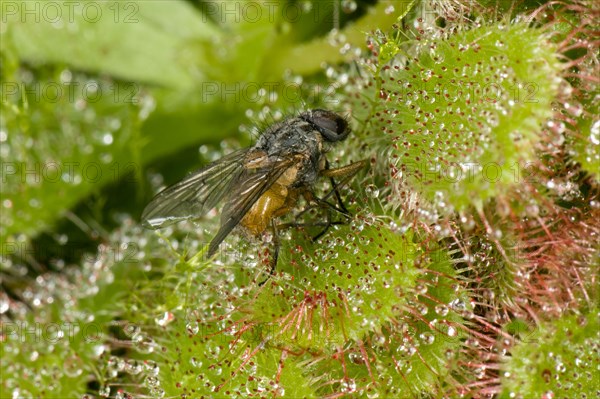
594 133
452 331
306 5
115 363
152 381
349 6
479 372
151 368
98 350
372 191
164 319
145 345
458 305
4 303
442 310
104 391
420 289
192 327
73 366
427 338
157 392
548 395
355 358
133 367
148 104
131 330
348 385
195 362
107 139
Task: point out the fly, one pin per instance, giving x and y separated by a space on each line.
261 183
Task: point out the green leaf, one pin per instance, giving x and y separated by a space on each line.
145 41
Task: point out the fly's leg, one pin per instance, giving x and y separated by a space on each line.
282 226
328 224
345 173
273 260
328 207
338 197
317 202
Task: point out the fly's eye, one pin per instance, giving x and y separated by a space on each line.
331 126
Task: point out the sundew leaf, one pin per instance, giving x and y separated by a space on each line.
559 359
463 116
362 290
144 41
222 364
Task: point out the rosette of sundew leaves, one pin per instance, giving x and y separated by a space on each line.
372 329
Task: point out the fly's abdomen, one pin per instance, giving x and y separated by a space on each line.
268 206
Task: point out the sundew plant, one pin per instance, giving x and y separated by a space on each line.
468 267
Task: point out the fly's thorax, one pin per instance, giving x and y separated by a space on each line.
291 136
297 138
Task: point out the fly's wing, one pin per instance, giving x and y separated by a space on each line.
196 194
249 187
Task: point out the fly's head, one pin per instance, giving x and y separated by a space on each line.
330 125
